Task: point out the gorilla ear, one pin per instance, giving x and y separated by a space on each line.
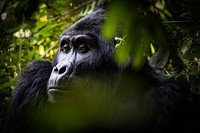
119 41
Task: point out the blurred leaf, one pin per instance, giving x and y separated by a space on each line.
39 25
152 48
41 50
7 84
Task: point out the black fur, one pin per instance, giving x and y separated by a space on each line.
29 95
144 100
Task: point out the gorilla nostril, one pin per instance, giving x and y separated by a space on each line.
62 70
56 69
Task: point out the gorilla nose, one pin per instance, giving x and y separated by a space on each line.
60 74
63 69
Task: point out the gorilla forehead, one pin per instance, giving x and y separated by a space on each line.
90 24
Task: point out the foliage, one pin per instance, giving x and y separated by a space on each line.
31 34
165 32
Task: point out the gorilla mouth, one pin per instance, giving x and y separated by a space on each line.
56 90
60 85
56 93
59 89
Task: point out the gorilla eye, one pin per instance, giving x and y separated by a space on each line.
66 48
83 49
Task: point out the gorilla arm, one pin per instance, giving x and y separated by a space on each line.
29 94
32 83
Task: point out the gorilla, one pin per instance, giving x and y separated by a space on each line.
85 89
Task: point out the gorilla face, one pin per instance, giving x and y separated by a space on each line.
82 52
76 53
79 58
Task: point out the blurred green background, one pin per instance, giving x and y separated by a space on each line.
163 32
